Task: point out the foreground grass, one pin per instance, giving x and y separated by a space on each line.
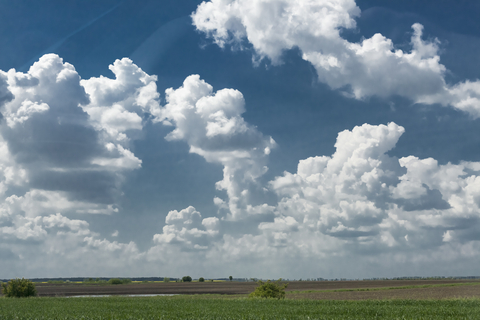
213 307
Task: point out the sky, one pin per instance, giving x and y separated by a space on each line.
252 138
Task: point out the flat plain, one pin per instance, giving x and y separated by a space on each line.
317 290
379 299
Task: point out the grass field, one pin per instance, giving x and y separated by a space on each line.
215 307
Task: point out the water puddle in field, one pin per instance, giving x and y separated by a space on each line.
123 295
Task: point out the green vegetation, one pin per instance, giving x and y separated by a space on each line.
93 281
119 281
57 281
214 307
19 288
166 279
269 290
393 288
201 279
187 279
230 278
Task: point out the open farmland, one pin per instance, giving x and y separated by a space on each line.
329 290
393 299
203 307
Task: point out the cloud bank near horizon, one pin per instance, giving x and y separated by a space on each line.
66 145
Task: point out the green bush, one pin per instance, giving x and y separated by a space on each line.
17 288
166 279
269 290
201 279
119 281
187 279
115 281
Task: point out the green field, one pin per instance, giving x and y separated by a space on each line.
216 307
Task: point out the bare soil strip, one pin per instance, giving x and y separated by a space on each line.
74 289
381 289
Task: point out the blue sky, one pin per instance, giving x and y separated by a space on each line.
250 138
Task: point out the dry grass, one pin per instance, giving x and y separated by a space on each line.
415 293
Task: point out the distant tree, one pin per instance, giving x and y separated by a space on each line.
231 278
18 288
201 279
269 290
166 279
187 279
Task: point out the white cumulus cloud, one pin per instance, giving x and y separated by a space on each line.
187 229
58 159
67 138
370 67
212 125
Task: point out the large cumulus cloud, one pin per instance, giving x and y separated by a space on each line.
359 205
117 106
362 193
372 66
64 150
212 125
70 137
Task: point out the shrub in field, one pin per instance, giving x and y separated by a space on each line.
201 279
187 279
166 279
17 288
115 281
269 290
119 281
